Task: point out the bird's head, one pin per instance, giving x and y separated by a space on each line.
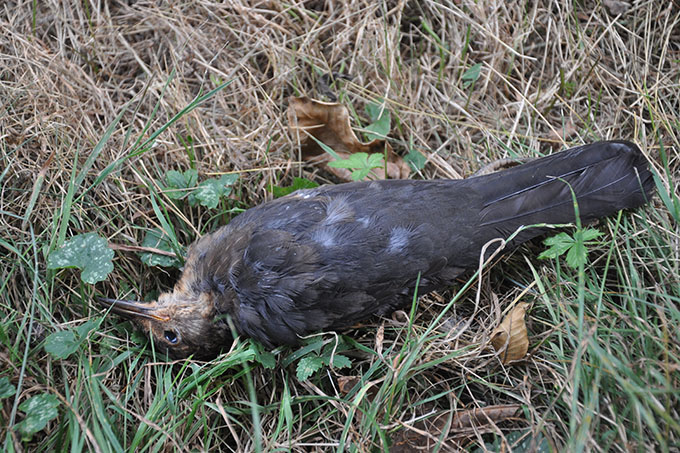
180 324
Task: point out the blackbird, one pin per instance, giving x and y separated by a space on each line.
326 258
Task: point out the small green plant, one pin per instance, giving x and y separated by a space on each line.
183 186
317 353
63 343
574 246
217 81
567 88
471 75
298 183
415 159
156 239
381 122
88 252
179 184
6 388
360 163
444 51
209 192
39 410
262 356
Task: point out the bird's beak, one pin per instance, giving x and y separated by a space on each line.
131 309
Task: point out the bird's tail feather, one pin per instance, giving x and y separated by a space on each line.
605 177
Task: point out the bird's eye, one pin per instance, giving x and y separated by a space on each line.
170 336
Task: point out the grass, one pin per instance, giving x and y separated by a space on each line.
99 103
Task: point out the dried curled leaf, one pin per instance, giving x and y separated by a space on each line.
511 336
482 416
346 383
425 434
329 123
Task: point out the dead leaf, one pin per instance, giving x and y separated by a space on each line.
512 333
347 383
425 434
329 123
479 417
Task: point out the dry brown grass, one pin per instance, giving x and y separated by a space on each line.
553 74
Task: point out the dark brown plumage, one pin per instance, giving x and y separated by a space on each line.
328 257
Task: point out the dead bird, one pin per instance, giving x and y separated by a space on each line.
326 258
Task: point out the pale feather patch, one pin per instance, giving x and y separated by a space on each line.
325 236
399 239
338 210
